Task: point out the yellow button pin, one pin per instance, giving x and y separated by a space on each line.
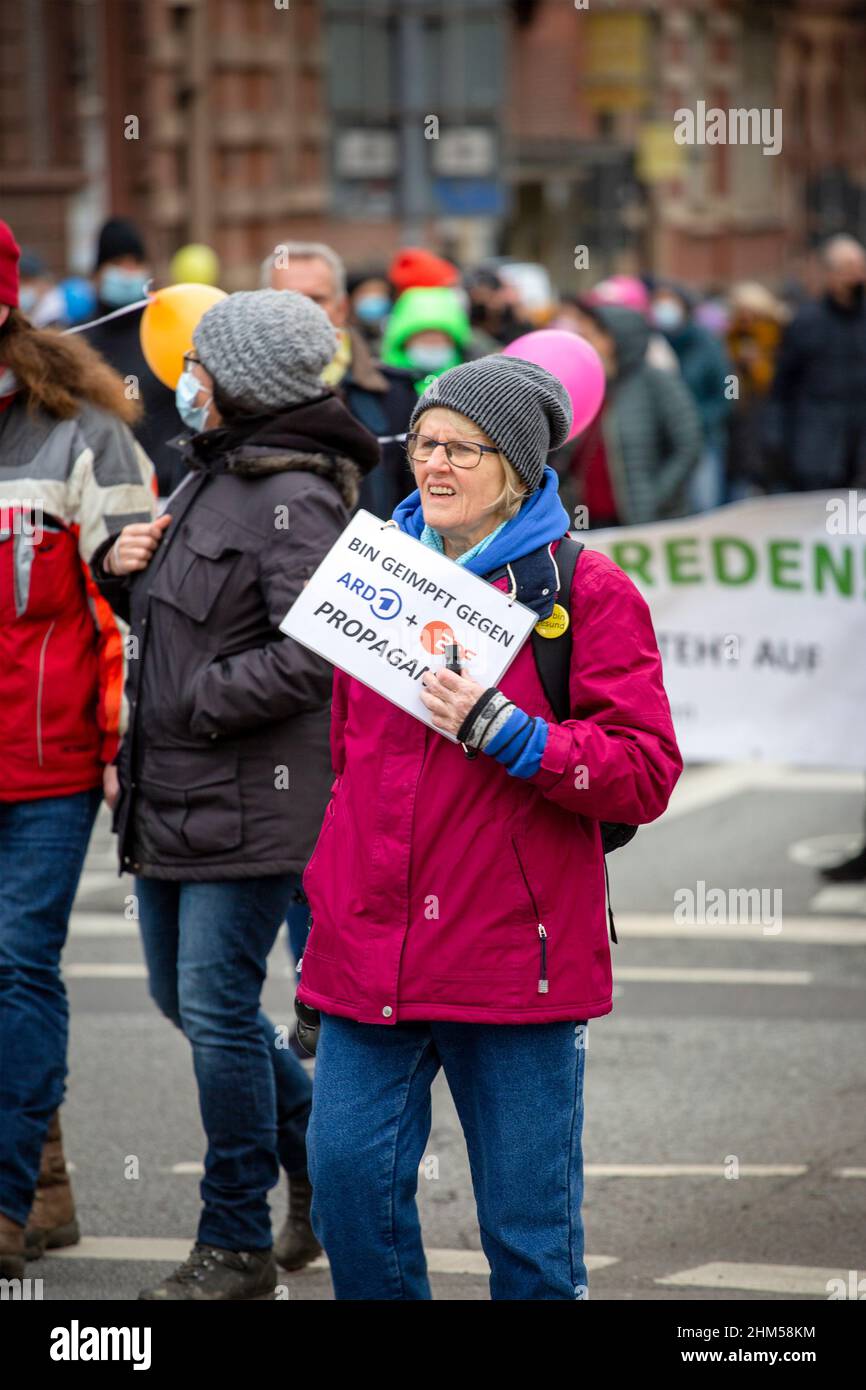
555 624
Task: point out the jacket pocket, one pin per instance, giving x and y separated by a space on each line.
543 980
191 800
193 587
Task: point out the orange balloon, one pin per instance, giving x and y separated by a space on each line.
167 326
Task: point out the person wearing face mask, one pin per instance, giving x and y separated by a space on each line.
706 370
121 278
380 397
72 475
370 302
225 770
428 331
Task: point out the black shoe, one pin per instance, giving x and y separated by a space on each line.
216 1276
296 1245
850 871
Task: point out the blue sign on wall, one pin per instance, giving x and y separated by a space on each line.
469 197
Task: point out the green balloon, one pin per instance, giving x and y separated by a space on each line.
195 264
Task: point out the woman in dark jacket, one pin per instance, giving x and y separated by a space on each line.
225 771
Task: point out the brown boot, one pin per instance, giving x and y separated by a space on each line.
52 1222
296 1245
11 1248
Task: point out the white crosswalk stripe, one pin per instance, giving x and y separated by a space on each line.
705 786
693 1170
102 970
757 1278
101 924
634 1170
840 897
684 976
819 931
174 1251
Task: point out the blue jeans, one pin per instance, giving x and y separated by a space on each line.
518 1090
42 848
298 920
206 947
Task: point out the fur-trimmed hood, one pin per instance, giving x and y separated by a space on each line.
318 437
343 472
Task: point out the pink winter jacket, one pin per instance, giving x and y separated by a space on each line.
433 871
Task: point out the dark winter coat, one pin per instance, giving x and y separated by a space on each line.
225 770
651 427
382 399
817 415
705 368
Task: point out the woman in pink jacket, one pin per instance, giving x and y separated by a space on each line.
458 892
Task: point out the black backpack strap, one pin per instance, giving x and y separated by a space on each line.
553 654
553 659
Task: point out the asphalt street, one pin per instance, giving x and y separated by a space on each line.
725 1124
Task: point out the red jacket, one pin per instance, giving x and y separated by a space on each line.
432 872
64 486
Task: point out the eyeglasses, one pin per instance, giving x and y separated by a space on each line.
460 453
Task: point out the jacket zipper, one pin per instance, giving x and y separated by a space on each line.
543 982
39 689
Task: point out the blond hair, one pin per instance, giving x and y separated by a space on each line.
514 491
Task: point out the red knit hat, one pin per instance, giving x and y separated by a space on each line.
9 255
414 268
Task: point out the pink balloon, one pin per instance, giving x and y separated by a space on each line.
574 361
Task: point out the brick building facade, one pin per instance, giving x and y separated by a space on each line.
240 123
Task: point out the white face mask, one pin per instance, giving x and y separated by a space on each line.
193 416
667 315
431 357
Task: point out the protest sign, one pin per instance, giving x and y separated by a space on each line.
760 613
382 606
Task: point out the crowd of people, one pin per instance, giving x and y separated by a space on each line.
770 382
316 394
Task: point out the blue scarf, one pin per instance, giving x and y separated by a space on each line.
541 519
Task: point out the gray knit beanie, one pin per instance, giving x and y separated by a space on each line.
524 409
266 348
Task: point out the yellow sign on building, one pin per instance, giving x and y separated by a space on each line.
658 156
616 62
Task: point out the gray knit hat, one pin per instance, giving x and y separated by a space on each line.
266 348
524 409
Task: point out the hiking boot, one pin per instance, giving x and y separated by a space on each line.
11 1248
296 1245
849 871
211 1275
52 1223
